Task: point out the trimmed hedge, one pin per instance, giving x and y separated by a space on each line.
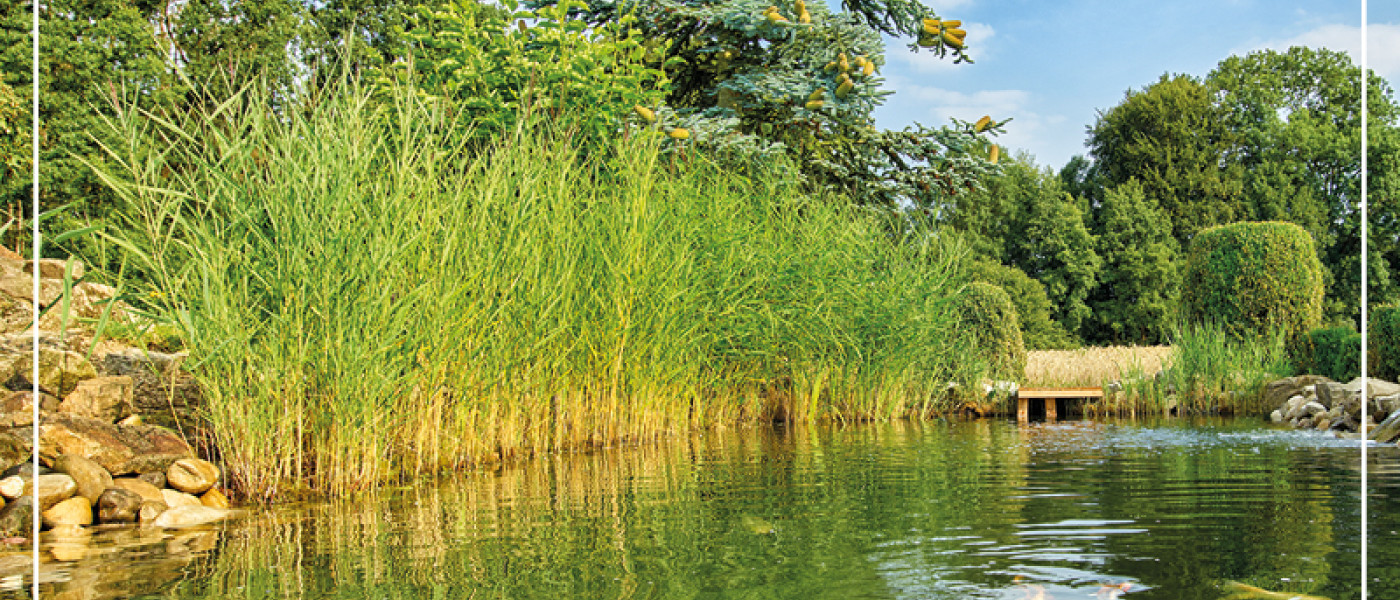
1384 339
990 318
1254 278
1039 330
1333 352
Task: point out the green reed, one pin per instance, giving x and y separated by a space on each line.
366 299
1211 371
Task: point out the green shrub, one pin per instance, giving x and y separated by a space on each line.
1039 330
1384 340
1253 278
989 318
1333 352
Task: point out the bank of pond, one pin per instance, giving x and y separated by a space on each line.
962 508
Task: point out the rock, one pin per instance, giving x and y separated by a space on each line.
25 469
59 370
1313 408
155 478
103 398
23 401
54 268
15 518
214 499
120 450
1332 393
1384 405
21 287
91 478
1321 422
192 475
130 421
52 489
73 511
139 487
191 516
163 393
151 509
14 452
15 315
1388 431
1294 407
1280 390
1276 416
117 505
1376 387
12 487
91 299
1343 423
173 499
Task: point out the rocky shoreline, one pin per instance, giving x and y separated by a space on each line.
114 421
1316 402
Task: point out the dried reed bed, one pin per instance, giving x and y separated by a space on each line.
1093 366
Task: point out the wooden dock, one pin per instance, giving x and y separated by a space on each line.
1050 397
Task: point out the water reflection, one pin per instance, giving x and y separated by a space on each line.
976 509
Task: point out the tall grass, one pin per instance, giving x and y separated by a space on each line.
1211 371
365 299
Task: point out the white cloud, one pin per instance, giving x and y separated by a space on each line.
1382 41
933 106
978 35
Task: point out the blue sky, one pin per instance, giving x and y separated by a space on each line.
1052 65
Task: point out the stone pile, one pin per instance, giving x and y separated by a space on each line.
108 414
1315 402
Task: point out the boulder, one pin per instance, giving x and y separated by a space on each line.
91 478
1384 405
155 478
150 509
54 268
139 487
1344 423
1388 431
120 450
1333 393
1281 390
20 286
103 398
191 516
51 489
73 511
12 487
192 475
59 370
214 499
163 393
1276 416
23 401
131 421
15 518
173 499
117 505
25 469
15 314
14 452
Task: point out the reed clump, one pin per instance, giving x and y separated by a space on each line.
366 298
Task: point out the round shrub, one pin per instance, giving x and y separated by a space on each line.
1254 278
1333 352
989 319
1039 330
1383 337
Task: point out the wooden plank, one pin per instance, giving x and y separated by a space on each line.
1023 410
1050 408
1084 392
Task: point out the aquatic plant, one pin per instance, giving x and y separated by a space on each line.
367 297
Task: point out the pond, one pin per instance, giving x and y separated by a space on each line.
1170 509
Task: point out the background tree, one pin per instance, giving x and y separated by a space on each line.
800 81
1296 119
1171 138
1136 298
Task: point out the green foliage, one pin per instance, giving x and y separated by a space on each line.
1383 339
16 160
1025 219
1171 138
1333 352
1214 370
989 319
750 87
1137 295
365 296
500 71
1253 278
1039 330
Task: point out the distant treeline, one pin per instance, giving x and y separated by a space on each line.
1271 136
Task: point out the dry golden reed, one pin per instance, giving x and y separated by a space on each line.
1093 366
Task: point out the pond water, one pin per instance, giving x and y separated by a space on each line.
971 509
